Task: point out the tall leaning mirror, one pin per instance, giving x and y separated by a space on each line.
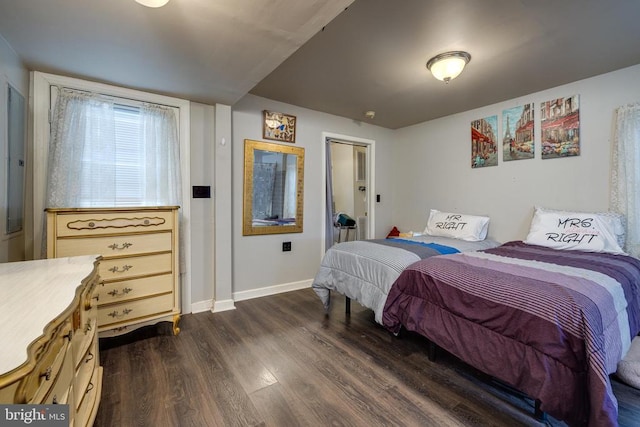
273 188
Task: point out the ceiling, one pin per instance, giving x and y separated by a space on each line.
319 55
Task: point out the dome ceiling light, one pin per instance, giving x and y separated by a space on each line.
447 66
153 3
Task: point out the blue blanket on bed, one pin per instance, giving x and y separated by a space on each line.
422 249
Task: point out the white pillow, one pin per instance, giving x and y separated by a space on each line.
581 231
471 228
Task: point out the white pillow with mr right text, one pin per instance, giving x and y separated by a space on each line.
472 228
581 231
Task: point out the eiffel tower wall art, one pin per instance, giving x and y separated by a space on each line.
517 133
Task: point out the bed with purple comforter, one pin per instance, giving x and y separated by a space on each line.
553 324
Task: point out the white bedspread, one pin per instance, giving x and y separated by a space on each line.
364 270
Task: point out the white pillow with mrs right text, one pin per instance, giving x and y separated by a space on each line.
580 231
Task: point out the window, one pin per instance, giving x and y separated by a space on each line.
105 153
128 165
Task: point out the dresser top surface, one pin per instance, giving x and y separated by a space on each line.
32 294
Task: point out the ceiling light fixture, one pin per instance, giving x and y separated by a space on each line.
447 66
153 3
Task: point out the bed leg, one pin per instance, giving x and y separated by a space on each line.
347 306
431 353
538 414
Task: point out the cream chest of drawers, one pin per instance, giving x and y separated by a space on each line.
139 268
48 326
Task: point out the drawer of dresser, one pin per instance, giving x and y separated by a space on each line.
123 268
112 246
35 386
45 376
88 405
113 292
84 371
59 393
8 393
93 223
84 337
130 310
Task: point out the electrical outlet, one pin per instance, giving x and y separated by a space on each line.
286 246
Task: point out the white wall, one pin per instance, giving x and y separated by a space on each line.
11 72
432 169
12 68
259 265
202 172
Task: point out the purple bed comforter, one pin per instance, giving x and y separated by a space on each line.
553 324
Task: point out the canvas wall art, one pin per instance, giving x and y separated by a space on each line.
517 133
560 127
484 151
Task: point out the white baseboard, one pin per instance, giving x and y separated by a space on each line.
213 306
271 290
224 305
201 306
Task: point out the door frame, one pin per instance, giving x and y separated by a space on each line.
370 145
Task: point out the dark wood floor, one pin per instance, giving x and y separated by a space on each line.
279 361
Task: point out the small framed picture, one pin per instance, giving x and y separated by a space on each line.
278 126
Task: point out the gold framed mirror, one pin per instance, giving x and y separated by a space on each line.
273 188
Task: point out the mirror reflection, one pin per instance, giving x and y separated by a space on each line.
273 188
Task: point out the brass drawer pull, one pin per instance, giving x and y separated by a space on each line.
46 374
89 358
89 388
55 400
125 267
69 335
87 327
115 292
115 313
115 246
87 303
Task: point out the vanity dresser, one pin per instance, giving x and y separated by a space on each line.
48 330
139 280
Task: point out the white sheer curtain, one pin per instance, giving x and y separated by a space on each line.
81 147
625 172
162 156
87 166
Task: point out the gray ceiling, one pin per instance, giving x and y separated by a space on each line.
372 56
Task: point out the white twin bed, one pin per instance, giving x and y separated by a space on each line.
364 270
